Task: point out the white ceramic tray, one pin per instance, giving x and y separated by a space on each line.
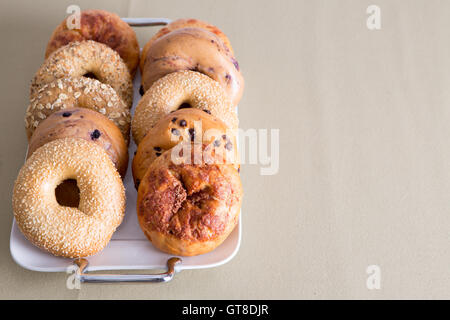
128 248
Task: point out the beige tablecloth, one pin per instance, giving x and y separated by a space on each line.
364 175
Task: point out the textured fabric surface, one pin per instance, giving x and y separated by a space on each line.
364 174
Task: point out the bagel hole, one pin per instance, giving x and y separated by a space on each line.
67 193
90 75
184 105
200 198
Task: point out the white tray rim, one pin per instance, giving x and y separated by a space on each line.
91 267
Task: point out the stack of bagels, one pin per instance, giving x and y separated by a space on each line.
69 198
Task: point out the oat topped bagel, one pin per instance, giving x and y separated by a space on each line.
89 59
194 49
101 26
177 90
75 93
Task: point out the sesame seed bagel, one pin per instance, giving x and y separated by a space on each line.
185 125
85 124
89 58
101 26
184 23
65 231
194 49
79 92
182 89
188 209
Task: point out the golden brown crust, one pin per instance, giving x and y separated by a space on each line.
170 92
79 92
101 26
85 124
184 23
184 125
193 49
77 59
188 209
65 231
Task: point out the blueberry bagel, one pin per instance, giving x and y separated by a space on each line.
84 124
184 23
195 49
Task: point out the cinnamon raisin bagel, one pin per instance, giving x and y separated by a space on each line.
184 23
182 89
194 49
188 209
85 124
184 125
101 26
62 230
89 59
79 92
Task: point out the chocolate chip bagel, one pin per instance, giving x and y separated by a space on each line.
185 125
79 92
85 124
188 209
195 49
89 59
100 26
182 89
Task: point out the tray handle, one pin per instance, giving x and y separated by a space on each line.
104 278
144 22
